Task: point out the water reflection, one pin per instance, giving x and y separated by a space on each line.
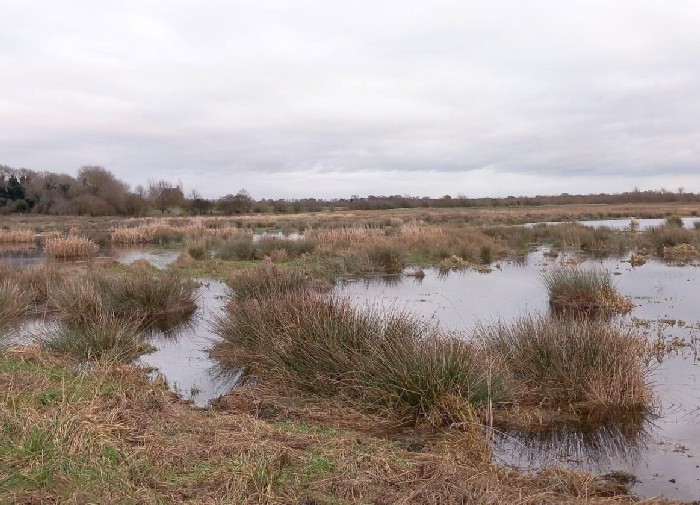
598 450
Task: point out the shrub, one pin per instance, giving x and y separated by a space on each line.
587 292
70 248
584 365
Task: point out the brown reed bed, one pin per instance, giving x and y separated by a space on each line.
70 248
17 237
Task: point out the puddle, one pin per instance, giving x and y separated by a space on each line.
257 237
21 256
158 258
182 357
657 451
624 224
24 257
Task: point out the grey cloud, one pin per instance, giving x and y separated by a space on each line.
225 93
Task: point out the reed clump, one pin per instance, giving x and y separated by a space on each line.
587 366
264 280
105 335
659 239
14 301
391 361
70 248
585 292
139 294
17 237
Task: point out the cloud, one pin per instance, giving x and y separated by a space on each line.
353 93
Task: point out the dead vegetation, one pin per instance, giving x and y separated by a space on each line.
107 434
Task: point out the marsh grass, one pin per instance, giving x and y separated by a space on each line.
14 301
660 239
103 336
36 282
387 258
17 237
266 279
391 361
587 366
105 433
139 294
585 292
70 248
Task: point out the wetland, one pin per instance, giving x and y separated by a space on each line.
271 328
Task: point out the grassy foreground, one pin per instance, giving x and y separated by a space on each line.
109 435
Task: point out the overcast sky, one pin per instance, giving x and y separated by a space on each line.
332 98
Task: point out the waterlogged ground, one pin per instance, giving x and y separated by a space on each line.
662 452
182 355
622 224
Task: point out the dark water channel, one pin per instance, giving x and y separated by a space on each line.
662 451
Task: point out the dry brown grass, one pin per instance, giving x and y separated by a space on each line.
109 435
161 230
17 237
70 248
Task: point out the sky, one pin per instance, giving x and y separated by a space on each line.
331 98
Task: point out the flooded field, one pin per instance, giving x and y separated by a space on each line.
623 224
662 451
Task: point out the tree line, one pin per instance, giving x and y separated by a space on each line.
95 191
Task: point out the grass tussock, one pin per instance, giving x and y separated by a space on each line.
70 248
264 280
587 366
139 294
17 237
391 361
14 301
587 292
102 336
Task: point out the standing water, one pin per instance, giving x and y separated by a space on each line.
661 451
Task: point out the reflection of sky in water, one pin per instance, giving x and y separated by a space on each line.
183 357
622 224
158 258
23 257
664 448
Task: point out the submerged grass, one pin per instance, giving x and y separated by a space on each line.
586 292
587 366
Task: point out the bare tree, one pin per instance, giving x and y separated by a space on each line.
165 195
